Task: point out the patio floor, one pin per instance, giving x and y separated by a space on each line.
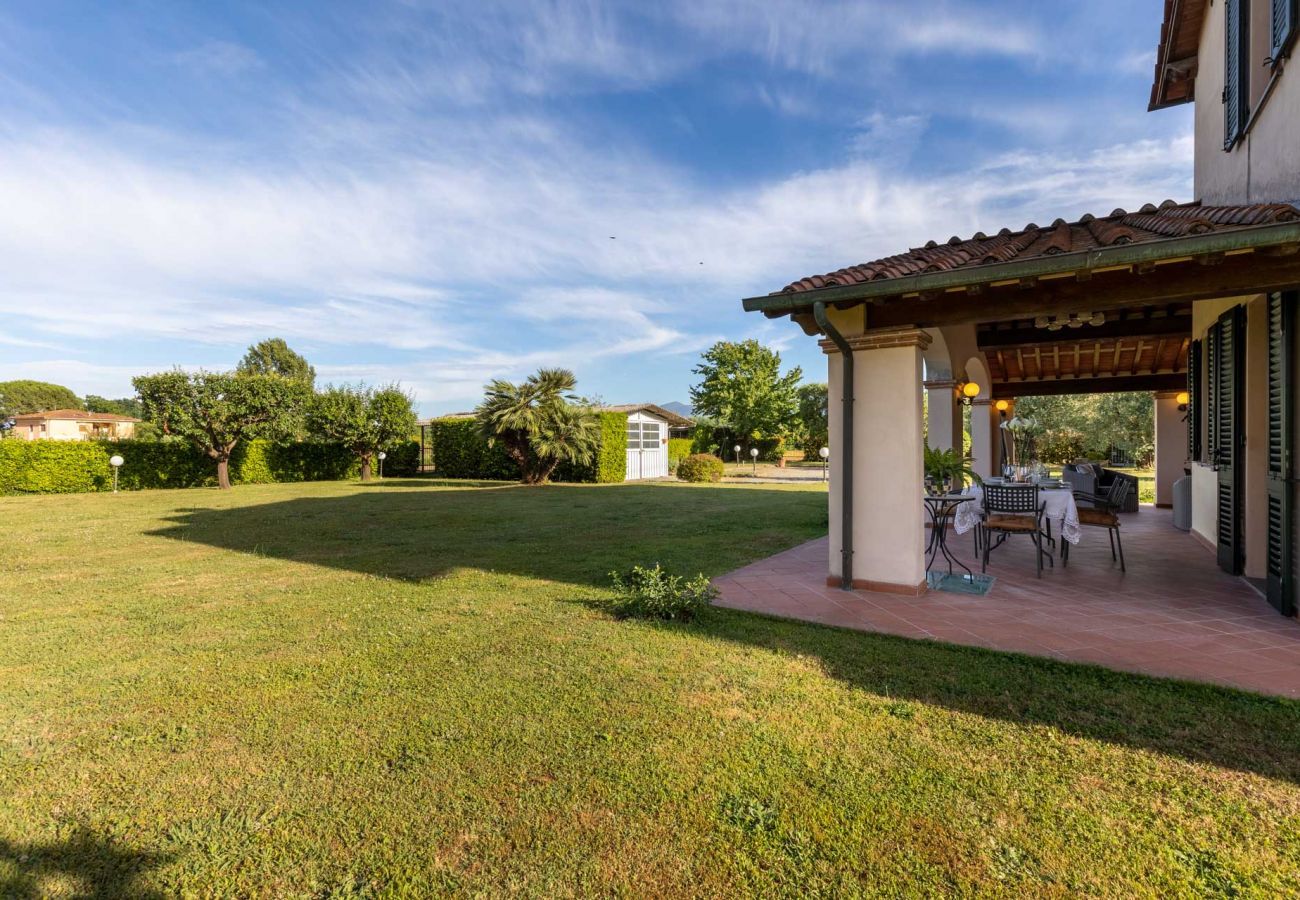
1174 613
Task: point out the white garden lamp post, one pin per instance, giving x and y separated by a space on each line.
382 456
753 454
737 450
116 462
825 454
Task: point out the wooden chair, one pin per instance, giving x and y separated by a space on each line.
1013 510
1103 513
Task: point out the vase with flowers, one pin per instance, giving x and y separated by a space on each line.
1020 435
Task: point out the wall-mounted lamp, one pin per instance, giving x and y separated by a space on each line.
969 391
1183 399
1002 406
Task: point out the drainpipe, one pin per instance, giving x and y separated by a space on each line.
846 446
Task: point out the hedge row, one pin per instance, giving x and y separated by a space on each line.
678 450
66 467
460 451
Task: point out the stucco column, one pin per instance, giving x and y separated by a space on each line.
1171 447
888 472
943 423
984 437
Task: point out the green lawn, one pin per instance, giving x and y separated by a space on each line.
331 690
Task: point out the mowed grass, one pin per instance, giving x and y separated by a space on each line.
415 688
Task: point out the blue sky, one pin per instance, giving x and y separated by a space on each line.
426 192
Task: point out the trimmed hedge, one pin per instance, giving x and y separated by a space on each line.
678 450
403 460
68 467
700 467
610 463
459 451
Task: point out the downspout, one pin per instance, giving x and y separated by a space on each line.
846 445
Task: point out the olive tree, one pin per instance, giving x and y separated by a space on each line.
215 411
364 420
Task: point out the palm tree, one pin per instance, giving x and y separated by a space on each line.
538 423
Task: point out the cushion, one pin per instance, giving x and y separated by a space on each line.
1102 517
1011 523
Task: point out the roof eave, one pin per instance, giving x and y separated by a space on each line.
1247 238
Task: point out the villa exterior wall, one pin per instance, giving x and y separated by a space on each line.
1262 167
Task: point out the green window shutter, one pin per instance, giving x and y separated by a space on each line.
1236 70
1212 394
1194 382
1279 564
1284 22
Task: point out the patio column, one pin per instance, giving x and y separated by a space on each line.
888 472
1171 447
943 422
984 436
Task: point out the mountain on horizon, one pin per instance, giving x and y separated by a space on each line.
682 409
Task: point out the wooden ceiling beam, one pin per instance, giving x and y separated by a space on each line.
1164 326
1168 381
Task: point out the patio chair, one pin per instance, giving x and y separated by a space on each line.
1103 513
1013 510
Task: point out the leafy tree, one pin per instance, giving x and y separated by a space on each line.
274 357
125 406
363 419
215 411
742 386
813 420
18 397
538 423
1089 425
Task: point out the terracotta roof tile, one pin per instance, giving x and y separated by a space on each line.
1150 223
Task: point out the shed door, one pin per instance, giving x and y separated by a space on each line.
647 450
1227 348
1281 360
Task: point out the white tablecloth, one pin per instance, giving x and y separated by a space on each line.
1058 505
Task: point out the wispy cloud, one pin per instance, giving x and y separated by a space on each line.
427 193
218 58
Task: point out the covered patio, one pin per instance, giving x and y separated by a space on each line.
1097 305
1174 615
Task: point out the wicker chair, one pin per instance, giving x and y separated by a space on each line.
1103 513
1013 510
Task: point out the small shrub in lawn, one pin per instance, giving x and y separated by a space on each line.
700 467
655 594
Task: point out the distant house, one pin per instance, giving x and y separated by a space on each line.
73 425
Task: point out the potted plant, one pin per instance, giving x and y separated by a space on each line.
947 469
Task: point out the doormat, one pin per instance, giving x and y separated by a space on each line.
977 585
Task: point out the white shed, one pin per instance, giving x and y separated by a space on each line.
648 428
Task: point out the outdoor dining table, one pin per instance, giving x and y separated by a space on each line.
1058 504
942 509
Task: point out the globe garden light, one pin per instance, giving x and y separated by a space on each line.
825 454
737 450
116 462
382 456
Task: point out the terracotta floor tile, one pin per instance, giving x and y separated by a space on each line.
1174 613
